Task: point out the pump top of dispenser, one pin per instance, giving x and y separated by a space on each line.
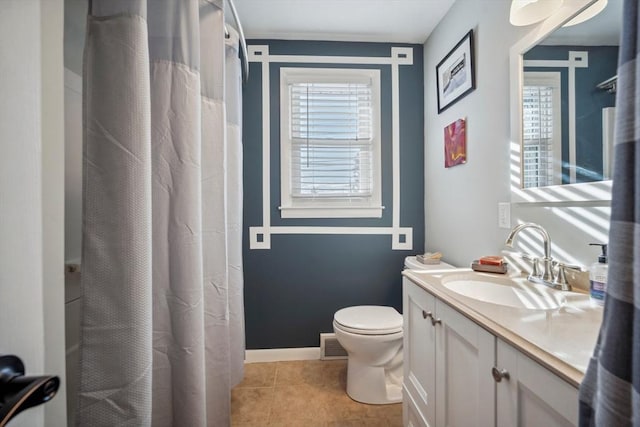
602 259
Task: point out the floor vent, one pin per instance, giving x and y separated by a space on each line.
330 348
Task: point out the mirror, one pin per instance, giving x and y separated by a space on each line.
565 98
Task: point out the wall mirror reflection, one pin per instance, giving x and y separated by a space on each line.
568 102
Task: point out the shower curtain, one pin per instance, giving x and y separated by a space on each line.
610 391
162 333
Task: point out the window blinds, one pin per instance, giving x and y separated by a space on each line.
538 131
331 140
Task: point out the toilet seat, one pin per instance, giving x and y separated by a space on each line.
368 320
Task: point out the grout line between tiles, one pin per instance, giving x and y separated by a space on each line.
273 397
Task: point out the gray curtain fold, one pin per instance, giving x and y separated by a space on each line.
610 391
162 333
233 91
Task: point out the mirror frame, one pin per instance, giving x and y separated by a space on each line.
583 192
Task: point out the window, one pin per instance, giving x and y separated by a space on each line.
542 146
330 143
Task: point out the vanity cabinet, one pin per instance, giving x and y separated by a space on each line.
448 356
452 367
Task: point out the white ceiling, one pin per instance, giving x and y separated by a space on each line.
395 21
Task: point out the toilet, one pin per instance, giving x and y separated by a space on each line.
372 338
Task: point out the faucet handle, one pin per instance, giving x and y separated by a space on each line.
535 267
561 282
575 267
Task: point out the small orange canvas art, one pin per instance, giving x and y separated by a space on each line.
455 144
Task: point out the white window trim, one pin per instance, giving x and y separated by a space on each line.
552 79
329 208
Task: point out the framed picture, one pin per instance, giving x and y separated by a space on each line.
455 143
455 76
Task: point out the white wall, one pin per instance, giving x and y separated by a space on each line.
73 230
461 203
31 201
73 166
75 15
52 122
75 18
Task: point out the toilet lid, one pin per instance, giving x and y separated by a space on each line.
369 319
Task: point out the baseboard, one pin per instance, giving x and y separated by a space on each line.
282 354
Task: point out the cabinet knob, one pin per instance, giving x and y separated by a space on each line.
426 314
435 322
499 374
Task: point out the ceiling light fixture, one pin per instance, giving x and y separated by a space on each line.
527 12
588 13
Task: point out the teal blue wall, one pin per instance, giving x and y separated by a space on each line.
603 63
293 289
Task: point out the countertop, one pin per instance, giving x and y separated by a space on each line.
561 339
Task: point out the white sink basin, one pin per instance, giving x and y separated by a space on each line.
505 291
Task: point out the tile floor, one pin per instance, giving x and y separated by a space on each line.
308 393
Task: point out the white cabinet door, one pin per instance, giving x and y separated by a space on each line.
532 396
419 350
465 354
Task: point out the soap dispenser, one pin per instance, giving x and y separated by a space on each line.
598 276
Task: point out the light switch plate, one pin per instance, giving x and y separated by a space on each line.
504 215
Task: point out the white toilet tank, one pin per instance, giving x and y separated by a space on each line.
412 263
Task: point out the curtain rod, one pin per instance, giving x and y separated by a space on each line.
243 42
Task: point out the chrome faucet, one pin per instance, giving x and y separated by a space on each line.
548 277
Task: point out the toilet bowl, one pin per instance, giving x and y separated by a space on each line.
372 338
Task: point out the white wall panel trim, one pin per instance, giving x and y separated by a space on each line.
260 236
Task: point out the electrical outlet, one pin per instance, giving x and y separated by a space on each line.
504 215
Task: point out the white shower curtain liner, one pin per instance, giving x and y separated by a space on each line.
162 333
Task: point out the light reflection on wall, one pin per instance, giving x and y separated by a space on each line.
571 228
